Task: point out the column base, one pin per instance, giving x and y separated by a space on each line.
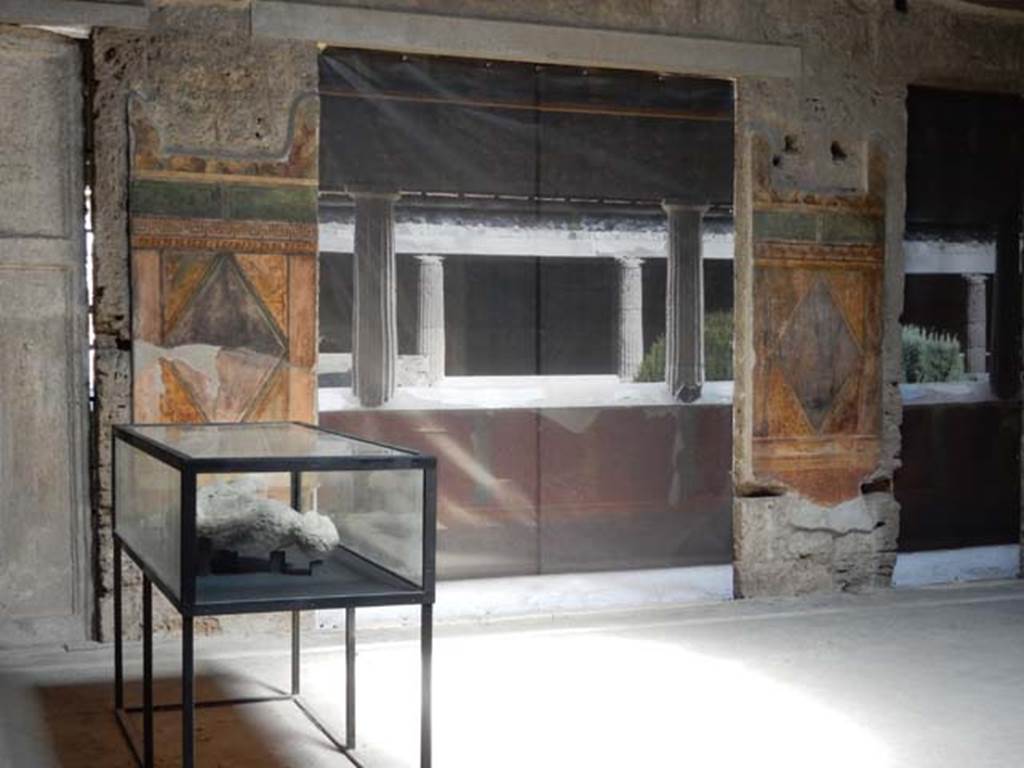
689 393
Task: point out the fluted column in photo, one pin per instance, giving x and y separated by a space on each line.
684 301
631 318
977 324
430 328
374 312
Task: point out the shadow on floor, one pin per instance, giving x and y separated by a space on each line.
83 732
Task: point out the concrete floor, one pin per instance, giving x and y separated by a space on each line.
927 678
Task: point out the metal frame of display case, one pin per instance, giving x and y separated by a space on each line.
189 468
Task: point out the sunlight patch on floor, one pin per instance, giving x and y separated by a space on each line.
577 700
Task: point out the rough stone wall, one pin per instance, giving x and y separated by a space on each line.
115 55
213 100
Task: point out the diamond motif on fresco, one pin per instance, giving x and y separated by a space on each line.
225 313
818 353
182 275
224 297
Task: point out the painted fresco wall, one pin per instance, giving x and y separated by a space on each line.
817 337
204 183
213 87
224 260
814 509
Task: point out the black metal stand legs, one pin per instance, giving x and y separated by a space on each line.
426 663
147 673
188 704
118 645
188 701
350 678
296 653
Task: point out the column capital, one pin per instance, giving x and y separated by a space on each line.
374 306
684 300
428 258
671 205
974 278
629 262
374 193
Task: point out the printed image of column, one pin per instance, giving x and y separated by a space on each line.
631 317
684 301
375 320
430 328
977 324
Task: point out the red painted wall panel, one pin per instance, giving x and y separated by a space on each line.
524 491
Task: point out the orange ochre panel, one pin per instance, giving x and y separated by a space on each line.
290 395
146 295
182 274
273 405
301 394
267 273
817 388
302 304
176 403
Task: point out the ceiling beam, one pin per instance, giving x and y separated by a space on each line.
517 41
74 13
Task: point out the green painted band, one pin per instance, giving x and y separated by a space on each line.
223 201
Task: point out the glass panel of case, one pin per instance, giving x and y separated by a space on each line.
378 514
350 533
148 511
259 441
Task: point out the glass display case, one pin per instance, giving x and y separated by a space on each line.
241 517
247 518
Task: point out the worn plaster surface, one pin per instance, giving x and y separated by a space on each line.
858 56
44 561
207 108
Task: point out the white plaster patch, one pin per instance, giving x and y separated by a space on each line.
201 357
204 365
